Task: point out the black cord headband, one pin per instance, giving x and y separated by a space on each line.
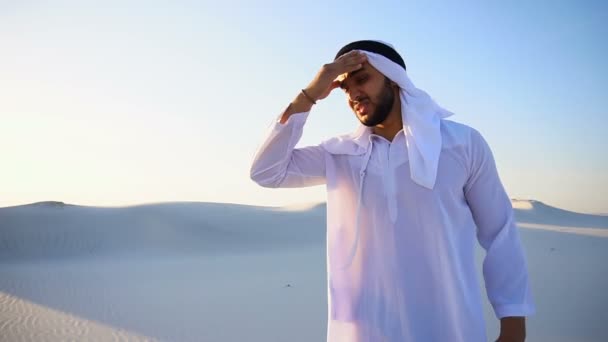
373 46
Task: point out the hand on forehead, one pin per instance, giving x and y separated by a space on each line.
366 67
349 58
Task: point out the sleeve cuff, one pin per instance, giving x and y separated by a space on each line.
514 310
296 118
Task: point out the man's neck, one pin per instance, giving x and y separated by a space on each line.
392 125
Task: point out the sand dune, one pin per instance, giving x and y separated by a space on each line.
223 272
21 320
56 230
598 232
530 211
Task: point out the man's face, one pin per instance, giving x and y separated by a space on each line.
369 94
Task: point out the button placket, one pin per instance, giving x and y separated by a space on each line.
391 191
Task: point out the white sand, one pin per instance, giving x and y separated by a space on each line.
22 320
220 272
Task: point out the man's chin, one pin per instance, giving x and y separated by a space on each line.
370 121
368 124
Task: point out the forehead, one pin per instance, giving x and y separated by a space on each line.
366 68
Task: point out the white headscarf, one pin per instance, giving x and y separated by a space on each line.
421 117
421 121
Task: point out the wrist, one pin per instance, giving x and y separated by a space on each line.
314 93
308 97
512 329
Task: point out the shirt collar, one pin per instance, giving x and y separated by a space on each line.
364 135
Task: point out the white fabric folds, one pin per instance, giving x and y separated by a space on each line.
401 258
421 116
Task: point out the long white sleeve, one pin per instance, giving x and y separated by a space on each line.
278 163
504 266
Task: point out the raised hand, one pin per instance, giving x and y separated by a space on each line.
325 80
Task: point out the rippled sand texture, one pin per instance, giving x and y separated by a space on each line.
21 320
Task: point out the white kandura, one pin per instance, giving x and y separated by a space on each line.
400 255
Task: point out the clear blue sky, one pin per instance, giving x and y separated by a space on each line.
122 102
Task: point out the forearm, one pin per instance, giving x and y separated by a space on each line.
300 104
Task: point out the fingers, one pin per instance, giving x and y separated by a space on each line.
355 65
351 59
332 74
355 58
351 65
346 70
353 53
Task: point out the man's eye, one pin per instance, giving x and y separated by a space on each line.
360 80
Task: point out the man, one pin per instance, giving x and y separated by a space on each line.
408 194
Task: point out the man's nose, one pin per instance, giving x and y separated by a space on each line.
354 95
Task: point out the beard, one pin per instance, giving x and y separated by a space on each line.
382 106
